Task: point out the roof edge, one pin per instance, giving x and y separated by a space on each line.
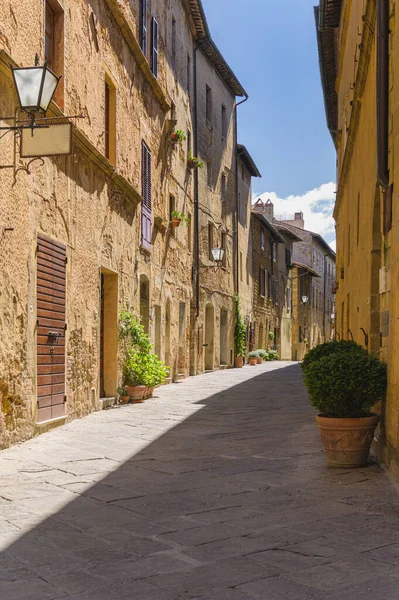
249 161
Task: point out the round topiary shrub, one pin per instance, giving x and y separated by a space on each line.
328 348
345 384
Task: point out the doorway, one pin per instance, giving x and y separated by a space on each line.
224 337
209 337
145 303
167 335
109 334
157 327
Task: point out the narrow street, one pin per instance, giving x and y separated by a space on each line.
216 489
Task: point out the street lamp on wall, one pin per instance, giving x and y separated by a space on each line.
305 299
35 88
218 255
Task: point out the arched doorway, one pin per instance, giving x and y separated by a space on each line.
167 334
224 337
209 336
145 302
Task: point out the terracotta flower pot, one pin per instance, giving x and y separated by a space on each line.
347 441
176 222
253 361
238 362
124 399
174 137
136 393
260 360
191 164
150 391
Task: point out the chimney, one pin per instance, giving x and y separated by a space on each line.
264 208
298 220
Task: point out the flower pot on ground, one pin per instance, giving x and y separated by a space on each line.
136 393
344 382
238 362
253 358
123 395
263 354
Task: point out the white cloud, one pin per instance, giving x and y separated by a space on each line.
317 206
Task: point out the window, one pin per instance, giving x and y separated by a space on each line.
209 173
263 282
247 269
146 207
274 251
224 188
224 246
174 26
172 207
110 121
224 122
288 299
188 141
288 257
154 47
54 45
262 239
173 111
188 73
210 240
270 284
144 27
208 104
314 256
241 273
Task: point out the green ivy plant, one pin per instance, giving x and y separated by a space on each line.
179 135
344 380
239 330
132 333
271 336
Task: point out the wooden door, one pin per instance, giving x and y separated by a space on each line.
51 280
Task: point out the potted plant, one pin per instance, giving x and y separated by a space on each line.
178 136
239 335
253 358
344 382
263 355
193 162
123 394
154 374
178 217
133 375
273 355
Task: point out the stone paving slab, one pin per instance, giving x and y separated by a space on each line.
216 489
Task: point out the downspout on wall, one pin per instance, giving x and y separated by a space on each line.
382 91
236 240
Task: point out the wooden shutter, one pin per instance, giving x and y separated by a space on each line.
144 26
154 47
146 209
51 281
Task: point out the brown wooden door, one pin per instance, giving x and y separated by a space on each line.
51 279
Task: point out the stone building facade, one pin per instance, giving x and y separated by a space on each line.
88 234
358 45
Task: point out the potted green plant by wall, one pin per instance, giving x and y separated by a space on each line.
134 374
178 136
178 217
154 373
253 358
344 382
123 394
273 355
194 162
239 335
263 355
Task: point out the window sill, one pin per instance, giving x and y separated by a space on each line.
145 250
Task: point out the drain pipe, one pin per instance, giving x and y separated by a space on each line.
382 91
236 240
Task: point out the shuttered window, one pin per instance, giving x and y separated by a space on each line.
143 26
154 47
146 194
262 282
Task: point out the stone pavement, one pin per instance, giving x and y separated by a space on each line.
214 490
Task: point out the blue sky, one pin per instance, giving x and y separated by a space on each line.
271 46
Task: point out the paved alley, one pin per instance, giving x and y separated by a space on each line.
215 490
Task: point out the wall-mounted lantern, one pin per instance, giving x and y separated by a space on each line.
218 255
35 88
305 299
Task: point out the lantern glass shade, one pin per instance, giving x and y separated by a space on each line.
305 299
35 87
218 254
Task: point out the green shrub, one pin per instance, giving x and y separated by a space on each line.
345 384
263 354
271 336
273 355
131 332
328 348
239 330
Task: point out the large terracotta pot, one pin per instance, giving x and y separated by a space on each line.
238 362
347 441
253 361
136 393
259 360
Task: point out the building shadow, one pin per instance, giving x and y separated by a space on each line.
224 473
